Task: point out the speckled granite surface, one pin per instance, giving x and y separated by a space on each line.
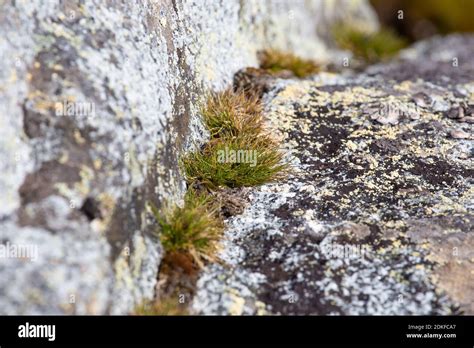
377 217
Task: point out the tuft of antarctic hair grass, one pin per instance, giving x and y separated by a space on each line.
192 230
211 166
230 114
236 125
370 47
276 61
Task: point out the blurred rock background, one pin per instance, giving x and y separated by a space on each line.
424 18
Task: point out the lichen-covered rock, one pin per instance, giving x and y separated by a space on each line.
377 216
97 101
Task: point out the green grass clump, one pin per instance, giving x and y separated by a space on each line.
193 229
276 61
239 161
240 152
229 114
370 47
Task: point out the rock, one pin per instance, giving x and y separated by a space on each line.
377 216
467 119
390 115
232 201
459 134
455 113
97 101
422 100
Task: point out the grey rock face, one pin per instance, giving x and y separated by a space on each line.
377 216
97 101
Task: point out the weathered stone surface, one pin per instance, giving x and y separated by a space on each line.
377 216
97 100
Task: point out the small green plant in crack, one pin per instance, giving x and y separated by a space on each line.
370 47
276 61
240 152
239 161
230 113
191 231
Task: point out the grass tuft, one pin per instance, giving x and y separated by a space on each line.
239 161
370 47
192 230
240 152
276 61
232 114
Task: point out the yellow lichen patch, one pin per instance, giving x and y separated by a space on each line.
351 145
261 308
78 137
448 205
404 86
122 271
353 95
107 205
298 91
97 164
64 158
237 306
399 224
13 77
136 259
87 174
